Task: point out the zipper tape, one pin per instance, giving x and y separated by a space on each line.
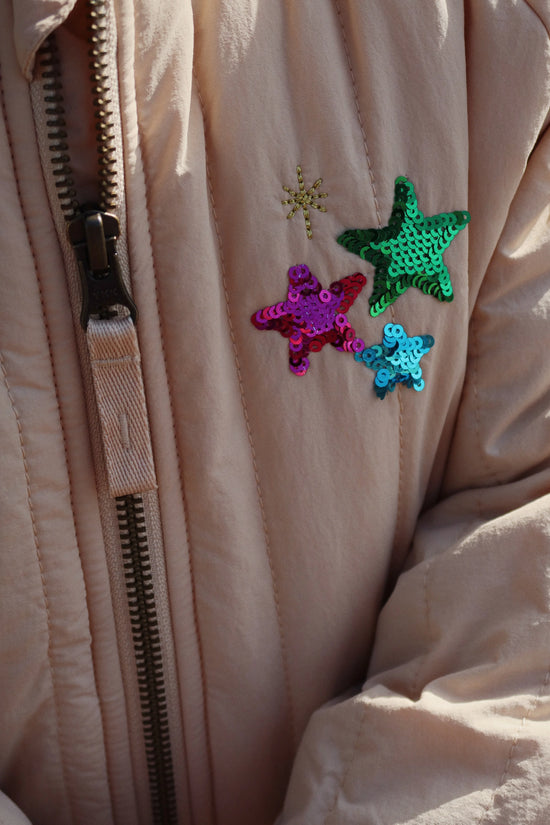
99 287
120 397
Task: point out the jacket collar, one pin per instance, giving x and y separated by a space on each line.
34 20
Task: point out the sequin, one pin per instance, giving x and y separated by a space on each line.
407 252
312 316
304 199
396 360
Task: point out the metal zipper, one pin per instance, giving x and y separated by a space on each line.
145 632
93 232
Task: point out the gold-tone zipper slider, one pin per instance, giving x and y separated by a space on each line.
93 235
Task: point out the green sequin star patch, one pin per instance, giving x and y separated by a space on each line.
407 252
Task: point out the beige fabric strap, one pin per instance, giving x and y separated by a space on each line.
120 396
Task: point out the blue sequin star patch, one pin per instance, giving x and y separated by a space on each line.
396 360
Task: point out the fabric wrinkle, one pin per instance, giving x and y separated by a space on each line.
197 630
46 603
276 597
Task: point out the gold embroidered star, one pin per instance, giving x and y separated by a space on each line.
304 199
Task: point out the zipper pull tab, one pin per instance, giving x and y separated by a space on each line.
93 235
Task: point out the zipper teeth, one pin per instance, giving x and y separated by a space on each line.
103 115
146 638
130 509
56 125
105 141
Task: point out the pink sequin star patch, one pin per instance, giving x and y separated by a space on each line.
312 316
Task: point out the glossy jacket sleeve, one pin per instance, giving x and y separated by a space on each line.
453 722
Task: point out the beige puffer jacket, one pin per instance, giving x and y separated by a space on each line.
202 548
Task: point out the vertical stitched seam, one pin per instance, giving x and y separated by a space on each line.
42 576
358 108
198 634
477 408
428 623
398 515
276 597
475 356
71 494
67 463
350 762
355 89
530 710
475 383
56 391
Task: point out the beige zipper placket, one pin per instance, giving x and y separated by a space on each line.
125 475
